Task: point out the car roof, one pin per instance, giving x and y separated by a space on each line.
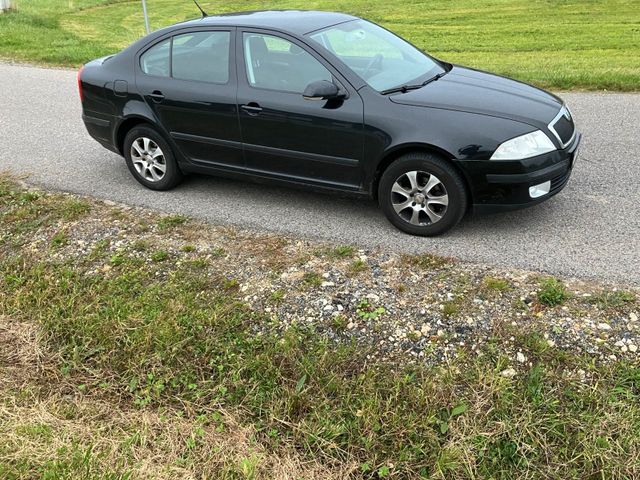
292 21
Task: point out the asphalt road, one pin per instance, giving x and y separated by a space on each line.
590 230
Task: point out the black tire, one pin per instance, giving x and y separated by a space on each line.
439 218
172 174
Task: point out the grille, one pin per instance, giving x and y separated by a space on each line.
563 126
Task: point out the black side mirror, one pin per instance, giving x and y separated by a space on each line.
322 90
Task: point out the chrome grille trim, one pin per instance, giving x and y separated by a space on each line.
564 111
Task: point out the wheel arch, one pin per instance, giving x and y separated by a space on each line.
397 152
125 127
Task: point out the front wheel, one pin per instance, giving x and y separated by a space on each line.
422 194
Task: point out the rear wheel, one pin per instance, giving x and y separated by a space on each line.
422 194
150 159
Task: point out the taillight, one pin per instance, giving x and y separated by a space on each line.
80 84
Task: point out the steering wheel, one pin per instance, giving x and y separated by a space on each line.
375 61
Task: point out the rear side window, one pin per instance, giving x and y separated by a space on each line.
155 61
198 56
201 56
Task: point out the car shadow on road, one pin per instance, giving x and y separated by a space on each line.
297 209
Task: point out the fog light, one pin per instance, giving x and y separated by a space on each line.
540 189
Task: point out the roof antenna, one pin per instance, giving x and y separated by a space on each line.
204 14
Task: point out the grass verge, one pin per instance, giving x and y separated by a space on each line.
549 43
142 369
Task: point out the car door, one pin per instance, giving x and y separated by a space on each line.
285 135
189 81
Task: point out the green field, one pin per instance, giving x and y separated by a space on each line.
560 44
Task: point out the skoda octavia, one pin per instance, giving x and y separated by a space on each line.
328 101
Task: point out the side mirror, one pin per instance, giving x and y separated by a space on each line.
322 90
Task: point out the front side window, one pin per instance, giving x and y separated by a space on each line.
379 57
274 63
199 56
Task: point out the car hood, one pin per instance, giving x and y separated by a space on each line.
474 91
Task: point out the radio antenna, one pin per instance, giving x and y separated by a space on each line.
204 14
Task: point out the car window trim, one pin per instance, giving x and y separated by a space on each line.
186 30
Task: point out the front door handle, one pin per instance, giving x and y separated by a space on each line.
156 96
252 108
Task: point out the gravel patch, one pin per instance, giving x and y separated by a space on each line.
403 307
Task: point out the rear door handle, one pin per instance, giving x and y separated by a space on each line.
156 96
252 108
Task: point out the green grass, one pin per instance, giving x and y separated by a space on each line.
150 362
561 44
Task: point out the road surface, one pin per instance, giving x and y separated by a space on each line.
590 230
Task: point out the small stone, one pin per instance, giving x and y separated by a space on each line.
633 317
619 343
633 348
351 325
604 326
326 274
373 296
327 284
508 373
551 343
425 329
520 357
340 308
440 333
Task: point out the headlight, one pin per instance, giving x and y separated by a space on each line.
525 146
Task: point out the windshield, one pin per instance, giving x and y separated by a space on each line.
379 57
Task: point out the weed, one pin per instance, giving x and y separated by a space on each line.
450 308
613 298
59 239
426 261
339 322
552 292
159 256
357 266
312 279
369 312
171 221
141 245
342 251
499 284
277 295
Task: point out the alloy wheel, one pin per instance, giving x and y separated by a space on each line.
419 198
148 159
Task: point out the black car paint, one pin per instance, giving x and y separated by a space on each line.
339 145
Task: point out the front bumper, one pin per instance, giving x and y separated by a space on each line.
504 185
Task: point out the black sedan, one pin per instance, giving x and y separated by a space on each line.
328 101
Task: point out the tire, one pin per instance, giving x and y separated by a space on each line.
422 194
150 159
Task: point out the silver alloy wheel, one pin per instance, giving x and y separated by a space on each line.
148 159
419 198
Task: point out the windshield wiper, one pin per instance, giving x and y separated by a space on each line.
402 88
406 88
434 78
